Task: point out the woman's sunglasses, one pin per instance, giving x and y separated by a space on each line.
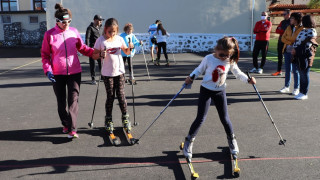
64 21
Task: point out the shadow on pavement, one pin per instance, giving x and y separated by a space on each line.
171 160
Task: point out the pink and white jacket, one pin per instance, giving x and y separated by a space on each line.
59 51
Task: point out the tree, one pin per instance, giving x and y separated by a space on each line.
314 4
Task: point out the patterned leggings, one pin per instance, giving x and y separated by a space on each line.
115 85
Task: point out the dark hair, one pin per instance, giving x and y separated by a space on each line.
60 12
111 22
157 21
160 27
308 22
127 27
287 11
229 44
297 16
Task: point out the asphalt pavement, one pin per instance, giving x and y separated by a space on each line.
33 146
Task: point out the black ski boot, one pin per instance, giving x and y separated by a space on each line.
109 124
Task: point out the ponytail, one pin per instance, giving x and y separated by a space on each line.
236 53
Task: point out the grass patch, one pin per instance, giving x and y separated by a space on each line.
272 55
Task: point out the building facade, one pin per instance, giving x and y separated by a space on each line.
193 25
22 22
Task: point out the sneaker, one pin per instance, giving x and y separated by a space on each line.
233 145
284 90
93 82
73 134
278 73
301 96
187 147
260 71
253 70
126 123
295 92
65 130
109 124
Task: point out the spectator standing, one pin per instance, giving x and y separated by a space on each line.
92 34
280 30
262 30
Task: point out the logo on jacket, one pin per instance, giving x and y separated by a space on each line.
112 50
219 75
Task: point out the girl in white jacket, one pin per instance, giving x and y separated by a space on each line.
215 68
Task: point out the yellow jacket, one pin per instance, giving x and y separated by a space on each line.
288 38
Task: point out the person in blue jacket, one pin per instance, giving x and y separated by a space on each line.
127 35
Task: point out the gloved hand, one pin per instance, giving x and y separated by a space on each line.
50 76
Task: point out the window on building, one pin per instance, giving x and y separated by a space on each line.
9 5
6 19
33 19
39 5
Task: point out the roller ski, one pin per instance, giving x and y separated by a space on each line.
109 127
127 129
234 151
186 147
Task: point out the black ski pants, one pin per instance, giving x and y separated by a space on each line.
220 100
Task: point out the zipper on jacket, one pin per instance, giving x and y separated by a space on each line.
65 46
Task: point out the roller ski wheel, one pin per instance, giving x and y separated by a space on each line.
235 166
114 140
129 136
181 146
194 175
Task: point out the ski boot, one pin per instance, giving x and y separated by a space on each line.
127 128
157 62
109 127
186 146
234 151
233 145
168 64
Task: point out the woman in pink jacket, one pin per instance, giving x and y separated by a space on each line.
62 66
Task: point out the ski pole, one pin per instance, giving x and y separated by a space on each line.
95 101
145 61
174 59
136 141
282 141
132 87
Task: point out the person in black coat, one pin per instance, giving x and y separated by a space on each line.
92 34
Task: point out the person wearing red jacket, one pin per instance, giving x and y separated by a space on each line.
280 30
262 30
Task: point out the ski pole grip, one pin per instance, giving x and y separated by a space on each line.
193 76
248 75
129 43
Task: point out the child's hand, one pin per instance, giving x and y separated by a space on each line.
293 52
141 42
188 80
131 46
252 80
103 53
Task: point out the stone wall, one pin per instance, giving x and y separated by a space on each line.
14 35
193 42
